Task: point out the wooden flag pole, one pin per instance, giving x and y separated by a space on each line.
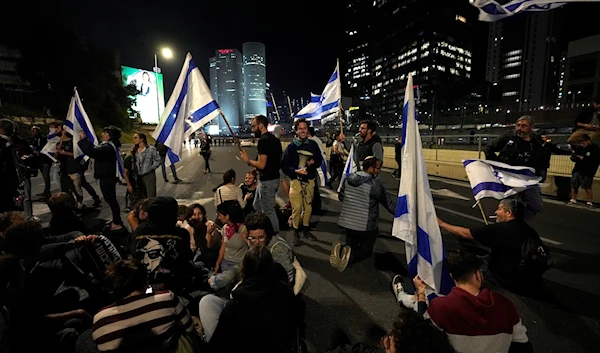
482 212
235 139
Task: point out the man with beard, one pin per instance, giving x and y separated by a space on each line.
521 147
370 144
268 163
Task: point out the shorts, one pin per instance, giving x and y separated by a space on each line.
578 180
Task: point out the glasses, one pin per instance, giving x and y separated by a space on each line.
261 238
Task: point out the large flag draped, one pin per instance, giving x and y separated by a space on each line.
349 168
190 107
490 10
415 220
327 103
498 180
50 148
77 121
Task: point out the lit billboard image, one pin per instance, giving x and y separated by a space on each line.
146 102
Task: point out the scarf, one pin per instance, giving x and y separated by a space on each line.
299 142
231 230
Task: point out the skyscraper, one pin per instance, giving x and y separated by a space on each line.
226 86
255 80
356 64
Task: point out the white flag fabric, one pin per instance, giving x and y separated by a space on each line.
349 168
325 104
77 121
498 180
50 148
190 107
491 11
415 220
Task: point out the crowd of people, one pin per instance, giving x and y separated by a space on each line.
173 279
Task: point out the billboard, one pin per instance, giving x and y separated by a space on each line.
150 103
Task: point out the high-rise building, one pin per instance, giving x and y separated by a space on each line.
431 42
581 80
523 60
255 80
226 86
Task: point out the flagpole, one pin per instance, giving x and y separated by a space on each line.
482 212
290 105
235 139
340 110
275 105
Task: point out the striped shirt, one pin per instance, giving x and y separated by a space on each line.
141 323
229 192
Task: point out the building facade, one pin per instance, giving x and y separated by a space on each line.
255 80
581 82
226 83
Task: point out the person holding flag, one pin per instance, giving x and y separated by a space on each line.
106 157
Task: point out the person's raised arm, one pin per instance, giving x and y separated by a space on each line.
455 230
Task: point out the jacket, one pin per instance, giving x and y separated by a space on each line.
359 189
291 159
373 147
515 151
487 322
258 302
105 158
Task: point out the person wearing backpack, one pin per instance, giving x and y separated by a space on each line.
516 255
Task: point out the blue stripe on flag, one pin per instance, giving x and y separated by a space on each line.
490 186
525 172
492 9
172 157
172 117
317 113
203 112
333 77
315 99
324 169
401 206
423 247
83 124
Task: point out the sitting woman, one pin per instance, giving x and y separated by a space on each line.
205 239
260 300
139 321
64 220
233 246
227 190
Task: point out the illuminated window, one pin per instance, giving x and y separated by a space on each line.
512 76
518 63
510 94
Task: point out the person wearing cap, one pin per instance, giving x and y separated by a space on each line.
521 147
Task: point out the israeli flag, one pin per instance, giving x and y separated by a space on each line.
415 220
190 107
77 121
349 168
327 103
491 11
498 180
50 148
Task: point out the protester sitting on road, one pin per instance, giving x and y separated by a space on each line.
8 219
205 239
260 300
587 123
260 233
521 147
138 213
476 319
64 220
409 333
249 190
139 321
228 190
587 159
360 223
505 240
233 246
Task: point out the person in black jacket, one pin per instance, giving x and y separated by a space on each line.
587 159
521 147
587 123
370 145
106 156
11 178
398 157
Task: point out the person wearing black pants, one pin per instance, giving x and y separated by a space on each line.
105 169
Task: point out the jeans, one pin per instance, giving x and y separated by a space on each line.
301 198
164 170
229 271
45 169
27 203
532 198
108 186
265 200
210 309
149 181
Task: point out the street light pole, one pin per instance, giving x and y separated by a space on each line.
157 98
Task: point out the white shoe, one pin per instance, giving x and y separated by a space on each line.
573 202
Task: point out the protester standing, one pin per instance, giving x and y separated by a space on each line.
205 152
162 151
370 145
147 160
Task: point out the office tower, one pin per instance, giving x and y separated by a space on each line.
226 86
255 78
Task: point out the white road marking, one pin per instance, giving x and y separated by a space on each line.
238 158
179 168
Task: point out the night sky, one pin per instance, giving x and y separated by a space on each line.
301 38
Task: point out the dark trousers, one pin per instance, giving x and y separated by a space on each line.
206 161
316 201
164 170
45 169
361 243
89 188
108 186
336 164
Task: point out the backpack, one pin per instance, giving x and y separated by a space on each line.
535 256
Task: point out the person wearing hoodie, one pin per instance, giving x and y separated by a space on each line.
163 247
302 185
261 315
360 223
474 318
371 142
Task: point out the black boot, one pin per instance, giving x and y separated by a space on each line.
97 201
296 241
307 234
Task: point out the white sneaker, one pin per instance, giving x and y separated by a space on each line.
573 202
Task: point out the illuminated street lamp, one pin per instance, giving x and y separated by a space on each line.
167 54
